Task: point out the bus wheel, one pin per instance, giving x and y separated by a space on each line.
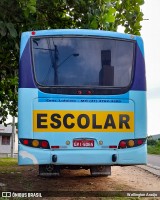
49 170
100 170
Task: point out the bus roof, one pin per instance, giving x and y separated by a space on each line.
79 32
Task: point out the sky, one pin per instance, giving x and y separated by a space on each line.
150 33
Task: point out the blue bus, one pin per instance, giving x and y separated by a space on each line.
82 100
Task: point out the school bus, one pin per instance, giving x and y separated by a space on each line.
82 100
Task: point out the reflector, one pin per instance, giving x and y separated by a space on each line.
55 147
113 147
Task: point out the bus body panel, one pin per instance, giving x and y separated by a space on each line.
64 154
27 107
29 156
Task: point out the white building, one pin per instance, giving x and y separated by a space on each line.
6 140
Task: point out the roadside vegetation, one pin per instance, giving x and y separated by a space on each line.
153 146
8 166
4 162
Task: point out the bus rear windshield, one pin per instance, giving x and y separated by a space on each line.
82 61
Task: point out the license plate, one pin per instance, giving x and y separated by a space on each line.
83 143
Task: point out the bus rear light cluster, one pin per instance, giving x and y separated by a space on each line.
35 143
131 143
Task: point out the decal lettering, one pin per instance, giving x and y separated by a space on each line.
41 118
82 121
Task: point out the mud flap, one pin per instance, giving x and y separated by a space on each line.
49 170
100 170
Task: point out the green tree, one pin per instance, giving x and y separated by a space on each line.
17 16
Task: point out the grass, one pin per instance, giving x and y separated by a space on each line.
8 162
8 165
154 149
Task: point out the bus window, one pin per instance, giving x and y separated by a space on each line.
82 61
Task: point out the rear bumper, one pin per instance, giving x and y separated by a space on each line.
130 156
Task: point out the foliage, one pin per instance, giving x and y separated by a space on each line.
151 142
129 15
11 25
8 59
154 149
17 16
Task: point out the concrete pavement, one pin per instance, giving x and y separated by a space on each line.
153 164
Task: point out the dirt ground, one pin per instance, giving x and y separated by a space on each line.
122 179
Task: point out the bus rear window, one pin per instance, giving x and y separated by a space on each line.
82 61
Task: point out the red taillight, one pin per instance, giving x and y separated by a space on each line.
44 144
122 144
140 142
25 142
